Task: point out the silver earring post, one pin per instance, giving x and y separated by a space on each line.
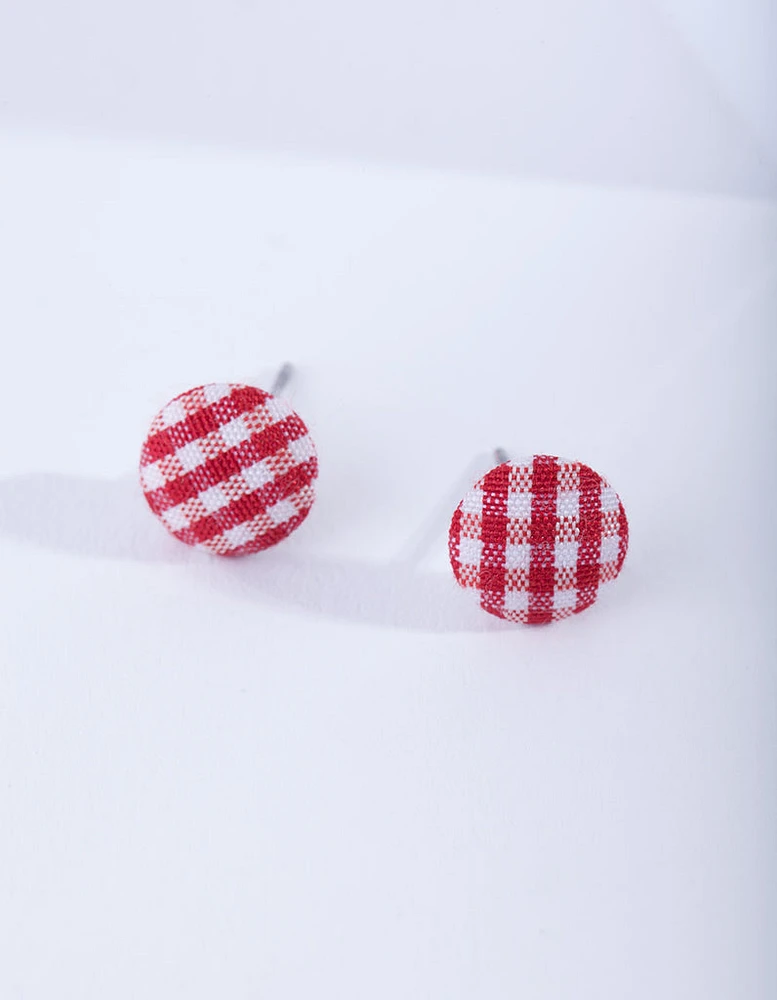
419 545
282 379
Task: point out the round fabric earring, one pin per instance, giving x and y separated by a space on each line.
229 468
538 539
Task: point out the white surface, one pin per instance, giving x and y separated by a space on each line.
733 45
675 94
322 771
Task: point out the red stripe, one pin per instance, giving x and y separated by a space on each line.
542 569
623 533
242 399
590 540
271 537
454 543
247 507
494 536
229 463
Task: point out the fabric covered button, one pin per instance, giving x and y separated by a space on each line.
538 539
229 468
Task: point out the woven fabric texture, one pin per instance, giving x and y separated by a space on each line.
538 539
229 469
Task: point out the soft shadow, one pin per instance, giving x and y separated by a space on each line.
109 520
106 519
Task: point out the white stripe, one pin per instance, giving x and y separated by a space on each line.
610 549
517 556
190 456
215 391
473 502
281 512
519 505
302 449
257 475
566 554
239 535
278 409
470 551
213 499
610 502
564 599
568 503
151 477
516 600
173 413
175 518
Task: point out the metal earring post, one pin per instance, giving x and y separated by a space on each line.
423 540
282 379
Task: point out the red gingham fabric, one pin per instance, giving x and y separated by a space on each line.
537 539
229 469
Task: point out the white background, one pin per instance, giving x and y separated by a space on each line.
321 771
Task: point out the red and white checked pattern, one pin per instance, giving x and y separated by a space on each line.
229 468
538 539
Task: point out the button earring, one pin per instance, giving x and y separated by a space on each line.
229 468
538 539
